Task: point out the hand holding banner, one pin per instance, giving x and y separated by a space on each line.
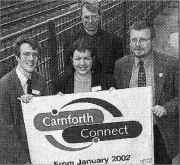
107 127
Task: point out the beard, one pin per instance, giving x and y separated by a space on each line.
140 52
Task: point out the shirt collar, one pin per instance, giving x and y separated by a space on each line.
23 77
147 60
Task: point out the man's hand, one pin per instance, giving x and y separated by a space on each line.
28 163
111 89
25 98
60 93
159 110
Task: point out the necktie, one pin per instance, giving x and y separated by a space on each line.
141 75
29 86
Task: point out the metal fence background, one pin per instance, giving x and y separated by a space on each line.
117 16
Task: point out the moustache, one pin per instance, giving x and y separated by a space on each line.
138 48
91 25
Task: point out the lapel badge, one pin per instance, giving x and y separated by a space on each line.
160 74
35 92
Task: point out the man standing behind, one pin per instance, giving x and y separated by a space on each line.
109 46
146 67
21 83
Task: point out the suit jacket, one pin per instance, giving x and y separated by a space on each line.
109 47
13 140
166 93
4 68
66 83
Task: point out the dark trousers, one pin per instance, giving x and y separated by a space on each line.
160 153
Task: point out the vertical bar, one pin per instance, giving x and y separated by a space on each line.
125 27
52 53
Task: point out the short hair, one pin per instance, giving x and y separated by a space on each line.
143 24
25 39
82 44
92 6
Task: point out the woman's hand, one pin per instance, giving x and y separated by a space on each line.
112 89
25 98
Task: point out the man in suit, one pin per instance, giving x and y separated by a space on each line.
109 46
20 83
146 67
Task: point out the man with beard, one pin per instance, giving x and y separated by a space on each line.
19 84
146 67
109 46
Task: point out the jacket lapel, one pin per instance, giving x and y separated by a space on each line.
70 84
159 74
36 84
128 71
18 115
95 80
16 91
16 83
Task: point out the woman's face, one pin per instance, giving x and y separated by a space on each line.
82 62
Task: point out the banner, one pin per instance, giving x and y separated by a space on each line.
95 128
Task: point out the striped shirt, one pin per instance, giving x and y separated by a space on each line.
149 70
82 85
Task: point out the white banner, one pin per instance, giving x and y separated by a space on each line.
95 128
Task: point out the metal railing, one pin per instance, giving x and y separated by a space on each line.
48 33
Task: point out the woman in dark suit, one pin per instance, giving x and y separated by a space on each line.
86 72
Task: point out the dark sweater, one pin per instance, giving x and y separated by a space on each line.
66 83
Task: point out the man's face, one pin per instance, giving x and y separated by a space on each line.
28 58
82 62
140 42
90 20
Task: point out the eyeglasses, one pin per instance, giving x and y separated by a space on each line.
141 40
91 17
28 54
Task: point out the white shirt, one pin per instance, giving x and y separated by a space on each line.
23 78
149 69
